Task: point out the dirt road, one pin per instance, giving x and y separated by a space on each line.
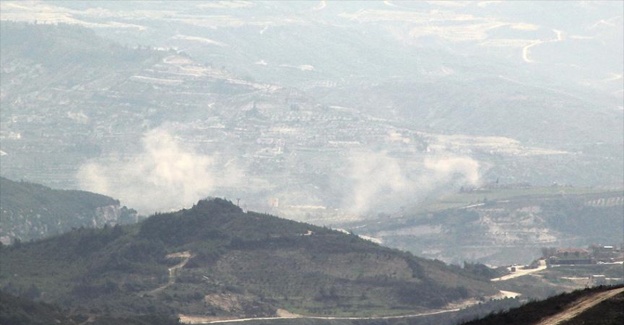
525 50
188 319
186 256
284 314
521 272
580 306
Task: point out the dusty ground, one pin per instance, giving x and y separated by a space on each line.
522 272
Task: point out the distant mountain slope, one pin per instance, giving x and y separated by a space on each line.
66 39
31 211
495 105
215 260
502 226
556 309
368 85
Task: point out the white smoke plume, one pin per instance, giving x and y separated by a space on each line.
163 176
379 181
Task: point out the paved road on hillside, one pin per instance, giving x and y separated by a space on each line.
580 306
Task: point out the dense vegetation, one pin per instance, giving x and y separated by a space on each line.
229 262
31 211
16 310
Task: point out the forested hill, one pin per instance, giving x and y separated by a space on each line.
33 211
215 260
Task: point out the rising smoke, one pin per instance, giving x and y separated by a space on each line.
381 182
164 176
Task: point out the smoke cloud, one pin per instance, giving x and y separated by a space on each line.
168 175
164 176
381 182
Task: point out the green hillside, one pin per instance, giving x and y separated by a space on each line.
31 211
225 262
17 310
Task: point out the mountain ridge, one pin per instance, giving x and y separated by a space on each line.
32 211
237 264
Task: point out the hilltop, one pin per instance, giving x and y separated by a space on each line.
215 260
31 211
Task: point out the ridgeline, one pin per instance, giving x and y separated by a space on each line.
215 260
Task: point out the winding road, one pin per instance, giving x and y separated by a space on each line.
186 256
525 50
522 272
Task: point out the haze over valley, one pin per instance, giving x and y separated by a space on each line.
278 103
147 147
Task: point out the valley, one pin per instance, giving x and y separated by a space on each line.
301 142
311 162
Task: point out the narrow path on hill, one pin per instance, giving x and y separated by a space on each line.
173 270
580 306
